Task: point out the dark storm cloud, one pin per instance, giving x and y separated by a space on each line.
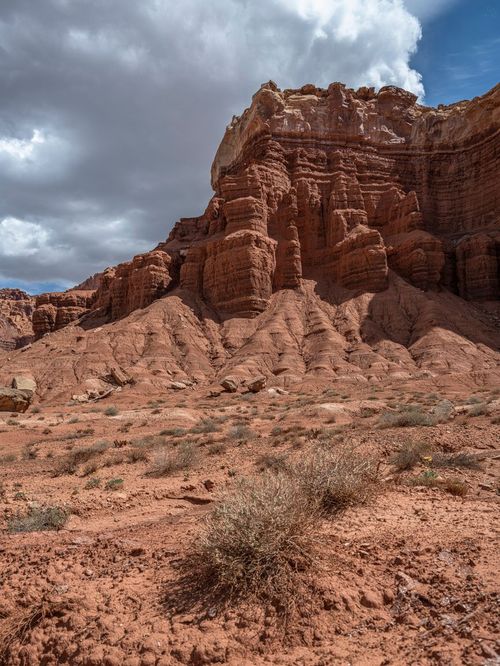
111 110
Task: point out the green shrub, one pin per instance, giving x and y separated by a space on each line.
111 411
39 519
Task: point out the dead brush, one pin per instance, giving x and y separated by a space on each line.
409 455
181 458
15 630
257 543
69 464
454 460
336 478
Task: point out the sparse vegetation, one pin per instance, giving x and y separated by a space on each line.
114 484
406 416
111 411
409 455
460 459
70 463
336 478
241 432
258 541
166 462
39 519
93 482
479 409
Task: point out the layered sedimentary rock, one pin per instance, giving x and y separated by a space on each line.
56 310
331 185
16 311
346 185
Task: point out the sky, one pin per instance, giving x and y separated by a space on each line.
111 110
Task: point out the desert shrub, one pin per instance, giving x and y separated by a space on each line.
8 458
409 455
241 432
478 409
429 479
336 478
496 420
473 400
257 541
39 519
166 462
456 487
460 459
205 426
173 432
442 412
406 416
35 410
272 462
70 463
217 448
136 455
111 411
93 482
75 419
113 484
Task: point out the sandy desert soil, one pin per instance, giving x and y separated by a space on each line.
410 577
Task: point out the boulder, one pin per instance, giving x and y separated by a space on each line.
14 400
256 384
229 384
24 383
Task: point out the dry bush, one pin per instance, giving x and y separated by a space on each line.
406 416
70 463
16 629
217 448
205 426
336 478
183 457
456 487
496 420
461 459
272 462
478 410
409 455
258 541
39 519
241 432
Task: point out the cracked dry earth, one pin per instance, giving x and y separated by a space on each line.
408 578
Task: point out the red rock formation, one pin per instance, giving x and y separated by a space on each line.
133 284
56 310
16 310
329 184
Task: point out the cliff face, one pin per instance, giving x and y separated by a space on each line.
333 185
16 311
348 185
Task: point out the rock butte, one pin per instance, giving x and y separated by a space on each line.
352 235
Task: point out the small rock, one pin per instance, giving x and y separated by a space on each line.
178 386
370 599
229 384
209 485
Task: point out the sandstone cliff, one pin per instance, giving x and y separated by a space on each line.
16 311
373 218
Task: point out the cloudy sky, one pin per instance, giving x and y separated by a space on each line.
111 110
